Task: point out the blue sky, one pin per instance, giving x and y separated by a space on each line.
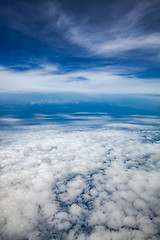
79 119
85 47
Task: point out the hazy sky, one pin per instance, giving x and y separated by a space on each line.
78 46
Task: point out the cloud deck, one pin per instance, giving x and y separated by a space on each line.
99 184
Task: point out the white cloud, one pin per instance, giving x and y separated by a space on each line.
98 80
113 38
111 47
58 182
118 36
126 31
10 120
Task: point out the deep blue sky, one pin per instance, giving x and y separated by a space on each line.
86 47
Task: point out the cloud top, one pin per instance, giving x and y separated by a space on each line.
99 184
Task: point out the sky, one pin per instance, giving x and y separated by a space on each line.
80 47
79 119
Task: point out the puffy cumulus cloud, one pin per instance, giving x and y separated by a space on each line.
85 185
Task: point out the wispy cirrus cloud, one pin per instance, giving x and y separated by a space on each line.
132 28
128 32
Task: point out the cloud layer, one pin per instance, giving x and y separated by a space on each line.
61 183
120 38
49 78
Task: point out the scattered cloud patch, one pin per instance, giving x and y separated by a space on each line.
91 184
84 120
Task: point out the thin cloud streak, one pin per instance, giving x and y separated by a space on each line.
48 78
122 35
126 32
